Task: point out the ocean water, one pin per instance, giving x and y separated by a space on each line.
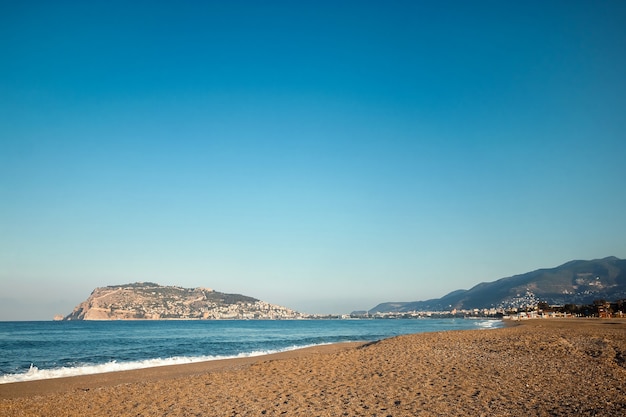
42 350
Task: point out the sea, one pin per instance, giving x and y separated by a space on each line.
54 349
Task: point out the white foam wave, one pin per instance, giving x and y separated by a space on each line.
34 373
488 324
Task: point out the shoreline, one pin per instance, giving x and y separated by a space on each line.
506 323
532 368
109 378
105 379
139 365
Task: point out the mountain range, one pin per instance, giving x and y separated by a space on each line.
575 282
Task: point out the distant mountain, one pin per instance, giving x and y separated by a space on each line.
150 301
575 282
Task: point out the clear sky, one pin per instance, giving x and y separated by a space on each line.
321 155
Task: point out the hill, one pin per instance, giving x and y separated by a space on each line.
575 282
150 301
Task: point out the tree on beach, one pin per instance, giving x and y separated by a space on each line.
602 308
543 306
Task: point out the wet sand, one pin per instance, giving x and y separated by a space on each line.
556 367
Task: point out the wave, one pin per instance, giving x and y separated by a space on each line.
489 324
35 373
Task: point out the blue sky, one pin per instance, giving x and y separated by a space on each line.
325 156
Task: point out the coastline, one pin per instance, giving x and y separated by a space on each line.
106 379
532 367
199 342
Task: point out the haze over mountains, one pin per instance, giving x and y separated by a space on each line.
575 282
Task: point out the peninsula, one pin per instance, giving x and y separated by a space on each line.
150 301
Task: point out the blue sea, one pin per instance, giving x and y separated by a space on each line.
42 350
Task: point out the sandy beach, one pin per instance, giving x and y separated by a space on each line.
556 367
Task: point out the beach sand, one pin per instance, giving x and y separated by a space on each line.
553 367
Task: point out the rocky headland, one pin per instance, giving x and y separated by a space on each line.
150 301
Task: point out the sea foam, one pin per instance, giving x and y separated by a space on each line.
488 324
35 373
